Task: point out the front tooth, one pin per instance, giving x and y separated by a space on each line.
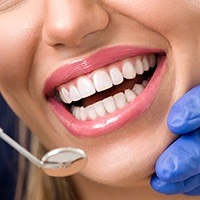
83 115
99 108
128 70
120 100
116 76
85 87
65 96
139 66
76 112
130 95
101 80
138 88
74 93
145 64
109 104
152 60
91 113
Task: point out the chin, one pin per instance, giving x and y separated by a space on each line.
129 160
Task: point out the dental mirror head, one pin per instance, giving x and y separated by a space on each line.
63 161
58 162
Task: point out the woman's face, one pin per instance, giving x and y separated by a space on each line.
56 51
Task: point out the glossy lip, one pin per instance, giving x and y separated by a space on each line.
113 121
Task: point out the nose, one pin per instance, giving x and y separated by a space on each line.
68 22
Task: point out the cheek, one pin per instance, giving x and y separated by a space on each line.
169 18
18 44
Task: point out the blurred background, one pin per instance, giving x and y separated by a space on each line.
8 156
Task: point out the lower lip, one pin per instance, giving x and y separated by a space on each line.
116 120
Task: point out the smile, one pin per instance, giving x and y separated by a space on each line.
97 99
88 97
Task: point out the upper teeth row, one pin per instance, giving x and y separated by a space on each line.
104 78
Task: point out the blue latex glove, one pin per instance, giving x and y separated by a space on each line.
178 168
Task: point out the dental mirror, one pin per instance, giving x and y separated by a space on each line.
58 162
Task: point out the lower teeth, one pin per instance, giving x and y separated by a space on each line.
109 104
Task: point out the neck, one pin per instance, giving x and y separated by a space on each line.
89 190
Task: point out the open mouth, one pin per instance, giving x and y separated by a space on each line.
99 94
108 89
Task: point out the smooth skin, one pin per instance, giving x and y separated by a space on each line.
38 37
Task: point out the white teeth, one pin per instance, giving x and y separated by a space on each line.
101 80
76 112
130 95
79 113
120 100
65 96
99 108
128 70
91 112
139 66
109 104
138 89
74 93
152 60
145 64
116 76
85 87
83 115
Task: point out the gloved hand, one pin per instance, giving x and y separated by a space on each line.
178 168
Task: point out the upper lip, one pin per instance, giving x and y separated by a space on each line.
86 65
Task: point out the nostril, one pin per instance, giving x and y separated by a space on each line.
59 45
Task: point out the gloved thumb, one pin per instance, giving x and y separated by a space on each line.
184 116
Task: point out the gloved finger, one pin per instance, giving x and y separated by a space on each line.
194 192
181 159
184 116
175 188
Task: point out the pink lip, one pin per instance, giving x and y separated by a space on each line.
112 121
